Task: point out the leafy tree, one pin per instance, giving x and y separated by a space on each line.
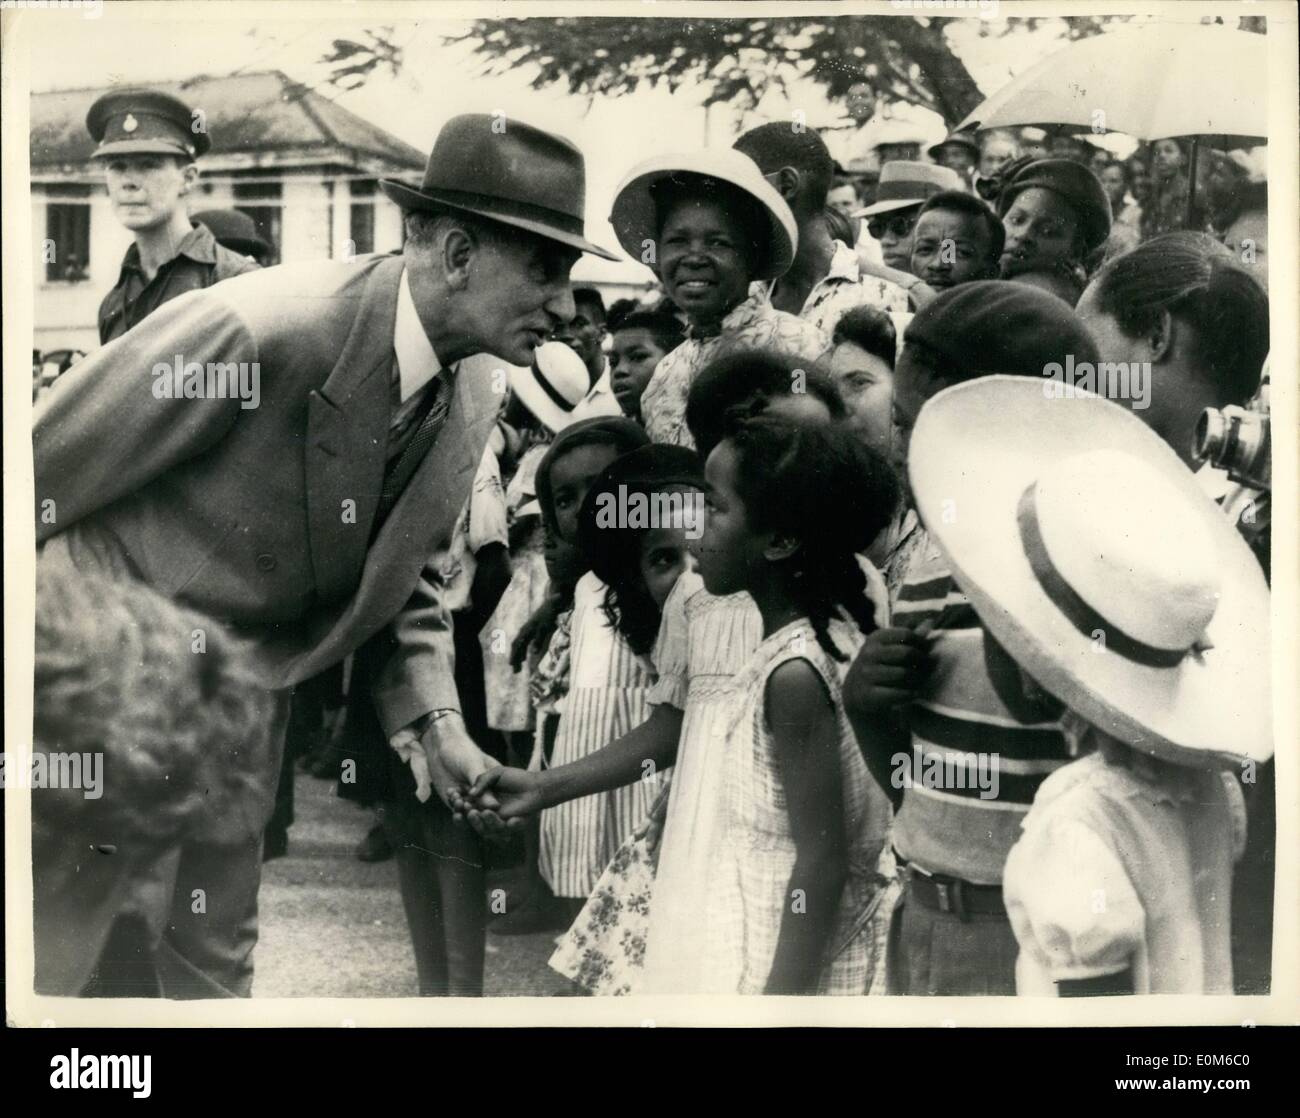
736 61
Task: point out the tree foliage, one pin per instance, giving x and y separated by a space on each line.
738 61
735 61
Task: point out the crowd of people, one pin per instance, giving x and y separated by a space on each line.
785 631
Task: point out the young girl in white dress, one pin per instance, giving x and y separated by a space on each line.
785 892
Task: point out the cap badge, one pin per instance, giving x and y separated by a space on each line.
130 124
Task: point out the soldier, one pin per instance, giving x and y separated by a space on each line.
148 143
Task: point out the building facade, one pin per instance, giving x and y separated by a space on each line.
304 168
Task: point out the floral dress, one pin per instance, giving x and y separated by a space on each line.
753 324
644 929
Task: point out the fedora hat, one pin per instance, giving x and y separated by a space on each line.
235 230
962 140
904 183
1094 558
553 385
508 171
635 218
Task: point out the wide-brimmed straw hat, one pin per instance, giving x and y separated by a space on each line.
508 171
635 218
553 385
1092 555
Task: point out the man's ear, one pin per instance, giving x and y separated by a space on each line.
456 251
787 183
189 177
1160 338
780 547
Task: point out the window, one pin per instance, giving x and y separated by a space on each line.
261 201
66 251
361 223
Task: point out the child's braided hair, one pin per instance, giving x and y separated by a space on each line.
821 486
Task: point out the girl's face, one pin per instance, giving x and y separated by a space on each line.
1112 178
867 384
564 562
663 558
704 260
632 363
572 474
1139 179
729 551
1042 233
1168 158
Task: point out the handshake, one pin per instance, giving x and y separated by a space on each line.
492 799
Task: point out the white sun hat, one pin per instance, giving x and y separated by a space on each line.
553 385
634 218
1092 555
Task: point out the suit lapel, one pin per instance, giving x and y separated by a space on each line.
426 511
347 433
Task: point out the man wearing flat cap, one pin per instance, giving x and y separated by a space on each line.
287 452
147 146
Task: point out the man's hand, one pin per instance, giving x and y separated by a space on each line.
890 668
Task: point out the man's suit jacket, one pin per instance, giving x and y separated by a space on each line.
263 517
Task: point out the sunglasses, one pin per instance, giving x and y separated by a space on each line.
900 225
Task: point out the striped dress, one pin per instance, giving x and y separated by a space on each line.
608 696
980 749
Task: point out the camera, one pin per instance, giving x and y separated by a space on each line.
1239 441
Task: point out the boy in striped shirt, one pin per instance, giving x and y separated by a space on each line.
940 712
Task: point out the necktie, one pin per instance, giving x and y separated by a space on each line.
403 465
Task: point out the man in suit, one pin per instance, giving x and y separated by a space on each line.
287 452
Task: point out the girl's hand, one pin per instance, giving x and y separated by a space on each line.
510 793
889 670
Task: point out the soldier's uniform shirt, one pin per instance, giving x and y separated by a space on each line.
199 262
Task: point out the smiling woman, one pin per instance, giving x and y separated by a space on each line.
709 224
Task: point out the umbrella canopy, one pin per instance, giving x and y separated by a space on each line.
1151 82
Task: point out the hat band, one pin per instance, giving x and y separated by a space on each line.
552 393
905 190
505 207
1078 612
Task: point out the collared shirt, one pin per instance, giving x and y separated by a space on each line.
1157 853
599 401
199 262
844 286
754 323
415 366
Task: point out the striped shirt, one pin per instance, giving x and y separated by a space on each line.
980 749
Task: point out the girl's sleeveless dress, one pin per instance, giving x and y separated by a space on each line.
646 928
756 856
